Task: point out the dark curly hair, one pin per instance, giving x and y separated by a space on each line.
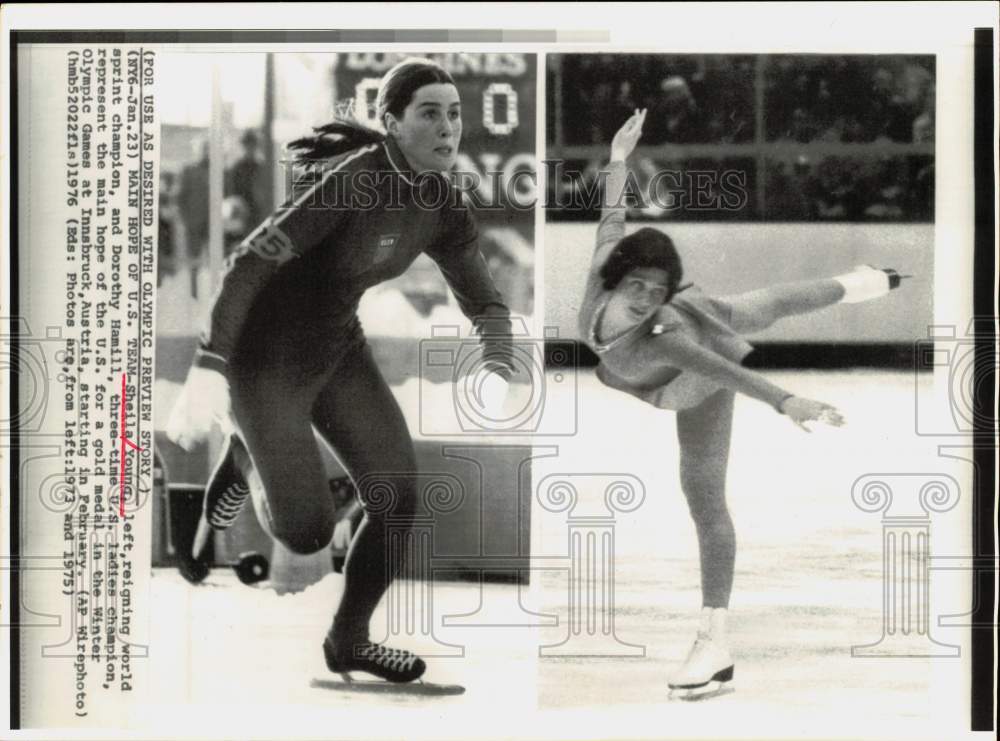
646 248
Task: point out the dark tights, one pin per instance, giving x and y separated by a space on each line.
353 409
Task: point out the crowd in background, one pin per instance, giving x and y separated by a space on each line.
849 99
806 103
184 206
691 98
882 188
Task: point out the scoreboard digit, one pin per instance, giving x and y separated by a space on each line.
365 93
507 95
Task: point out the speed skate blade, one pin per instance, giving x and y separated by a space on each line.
380 686
707 692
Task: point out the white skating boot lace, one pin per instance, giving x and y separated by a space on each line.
706 662
224 511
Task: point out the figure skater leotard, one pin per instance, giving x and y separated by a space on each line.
686 350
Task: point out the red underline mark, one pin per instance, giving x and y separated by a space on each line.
125 443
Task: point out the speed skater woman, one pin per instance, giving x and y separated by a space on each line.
676 348
285 343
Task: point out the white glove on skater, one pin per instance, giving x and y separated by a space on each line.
203 403
491 392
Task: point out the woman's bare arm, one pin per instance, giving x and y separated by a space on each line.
676 350
612 226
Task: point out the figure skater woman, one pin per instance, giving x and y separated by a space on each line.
676 348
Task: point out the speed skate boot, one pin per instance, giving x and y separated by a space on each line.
394 665
228 489
866 282
708 668
225 495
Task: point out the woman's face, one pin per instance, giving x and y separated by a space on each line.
642 291
429 131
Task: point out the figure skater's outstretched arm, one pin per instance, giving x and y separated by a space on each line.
675 350
612 226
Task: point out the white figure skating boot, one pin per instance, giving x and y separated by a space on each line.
865 283
708 668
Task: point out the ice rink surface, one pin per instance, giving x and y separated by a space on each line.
809 586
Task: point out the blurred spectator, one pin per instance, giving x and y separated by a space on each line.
167 239
675 117
192 201
625 103
243 208
788 191
917 89
921 191
923 125
891 116
886 200
729 106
